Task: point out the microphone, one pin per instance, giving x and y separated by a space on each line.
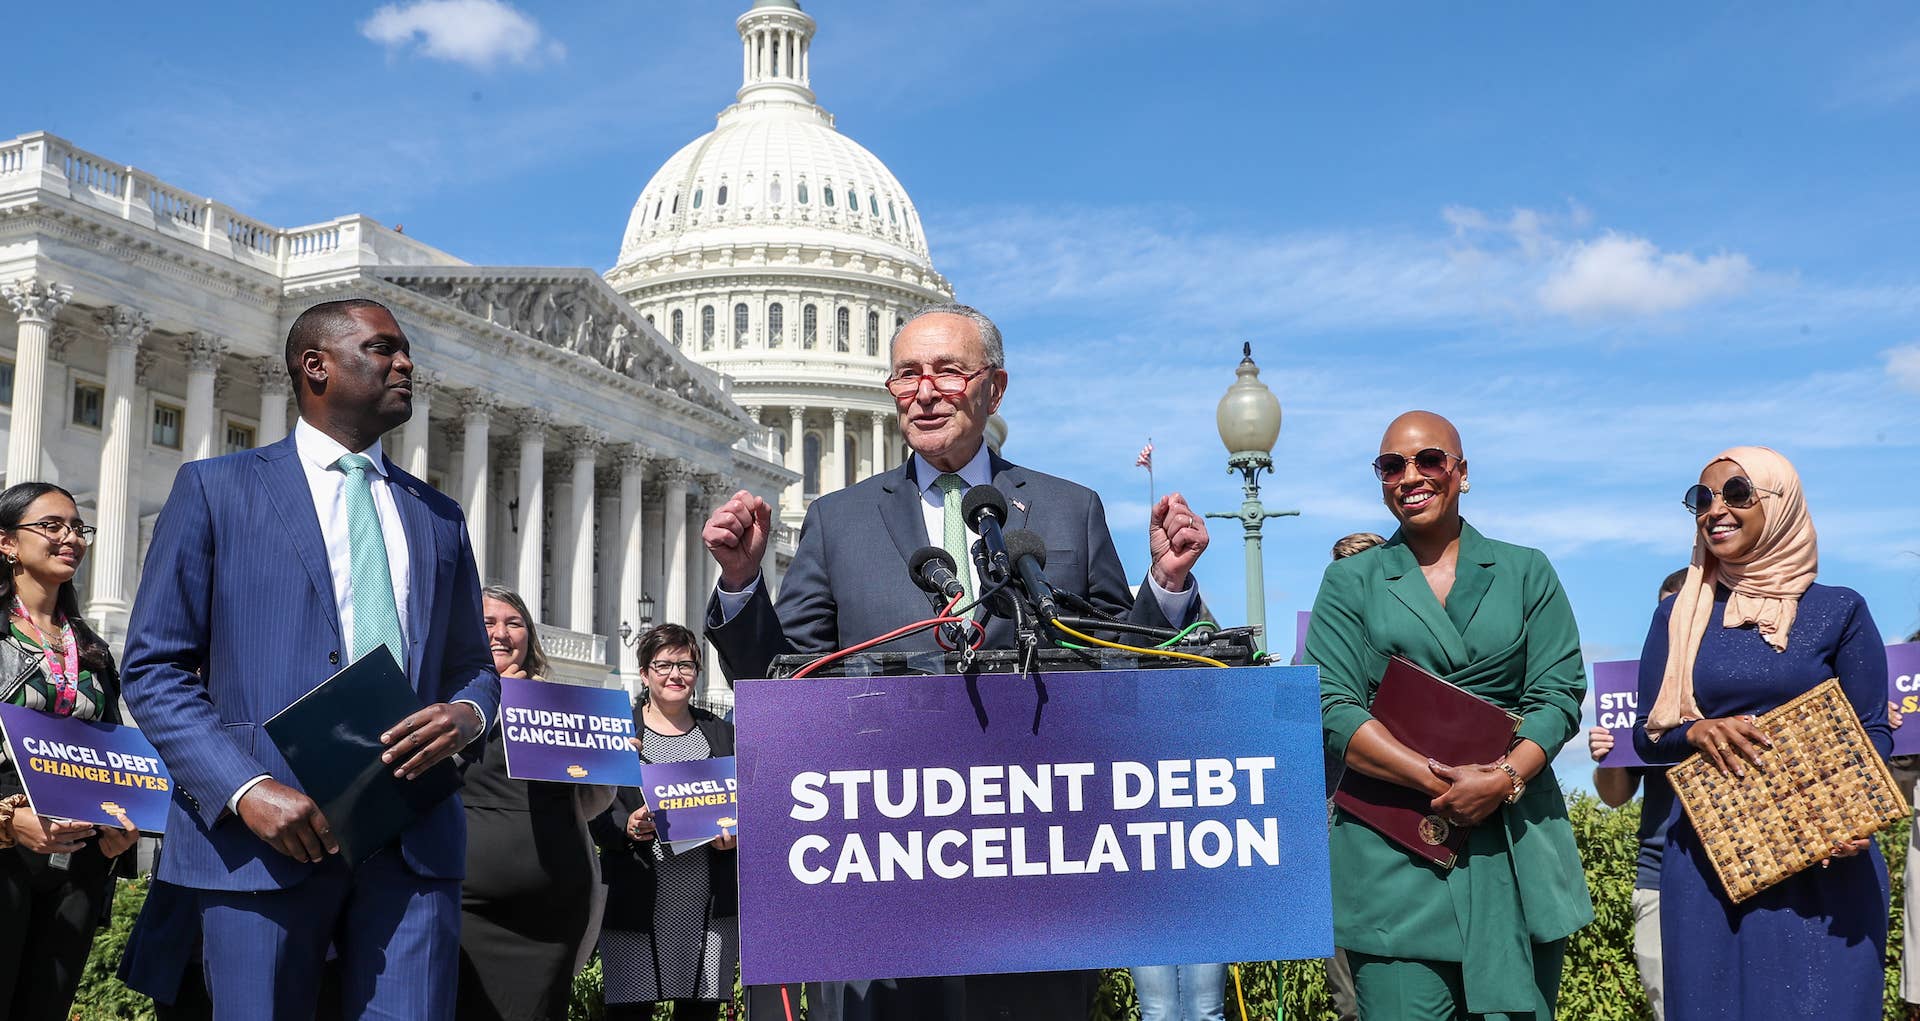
1029 554
985 509
934 571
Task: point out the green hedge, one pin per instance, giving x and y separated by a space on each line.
1600 982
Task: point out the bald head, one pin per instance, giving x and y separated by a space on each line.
1417 430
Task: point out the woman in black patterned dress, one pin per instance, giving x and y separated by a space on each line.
672 930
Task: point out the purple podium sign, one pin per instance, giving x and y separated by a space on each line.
1616 702
80 770
567 733
692 802
1903 691
954 825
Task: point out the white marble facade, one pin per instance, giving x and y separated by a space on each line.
142 326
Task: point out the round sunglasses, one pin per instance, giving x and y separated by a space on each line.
1738 492
1431 463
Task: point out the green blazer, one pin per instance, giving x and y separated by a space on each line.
1506 634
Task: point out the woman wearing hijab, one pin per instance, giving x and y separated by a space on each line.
1749 630
1487 937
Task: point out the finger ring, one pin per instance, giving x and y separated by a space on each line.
1722 745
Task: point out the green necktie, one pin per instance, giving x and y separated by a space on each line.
376 619
954 538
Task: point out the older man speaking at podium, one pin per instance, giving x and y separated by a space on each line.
849 582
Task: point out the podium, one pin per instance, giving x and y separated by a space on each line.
935 814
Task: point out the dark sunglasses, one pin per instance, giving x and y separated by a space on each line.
1431 463
1739 493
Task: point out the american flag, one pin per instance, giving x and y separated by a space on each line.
1145 460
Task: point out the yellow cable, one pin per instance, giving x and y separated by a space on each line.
1239 993
1169 653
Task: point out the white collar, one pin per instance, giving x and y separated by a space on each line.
323 451
976 472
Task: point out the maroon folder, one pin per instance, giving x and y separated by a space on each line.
1442 721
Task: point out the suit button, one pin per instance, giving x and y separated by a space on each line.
334 657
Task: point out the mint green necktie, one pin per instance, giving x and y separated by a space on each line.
954 538
376 618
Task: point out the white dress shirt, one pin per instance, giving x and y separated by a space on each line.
318 454
976 472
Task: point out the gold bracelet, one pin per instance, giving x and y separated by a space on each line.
1513 775
8 805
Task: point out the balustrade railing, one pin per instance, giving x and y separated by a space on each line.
137 195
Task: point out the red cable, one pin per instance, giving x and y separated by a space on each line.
890 636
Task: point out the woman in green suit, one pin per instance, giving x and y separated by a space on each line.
1487 937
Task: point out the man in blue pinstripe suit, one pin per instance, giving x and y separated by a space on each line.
270 569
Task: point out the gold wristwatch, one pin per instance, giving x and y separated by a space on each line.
1513 775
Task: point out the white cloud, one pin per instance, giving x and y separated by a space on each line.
1618 273
477 33
1903 365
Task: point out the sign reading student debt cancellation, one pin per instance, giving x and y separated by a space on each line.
567 733
87 771
952 825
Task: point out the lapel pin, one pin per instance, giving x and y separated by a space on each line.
1020 506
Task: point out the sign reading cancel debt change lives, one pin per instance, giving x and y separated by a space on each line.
949 826
87 771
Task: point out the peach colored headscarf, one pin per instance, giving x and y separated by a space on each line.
1766 587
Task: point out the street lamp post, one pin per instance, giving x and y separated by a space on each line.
1249 421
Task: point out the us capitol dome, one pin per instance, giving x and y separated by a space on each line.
780 252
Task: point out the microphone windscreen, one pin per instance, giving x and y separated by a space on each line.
925 556
1022 542
983 500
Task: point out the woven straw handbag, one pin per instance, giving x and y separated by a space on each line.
1822 783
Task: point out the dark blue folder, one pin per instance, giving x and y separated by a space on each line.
331 738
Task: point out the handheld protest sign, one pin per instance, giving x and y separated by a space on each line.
692 802
1616 701
567 733
85 771
1037 823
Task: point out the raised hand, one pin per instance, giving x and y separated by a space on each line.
1176 536
736 536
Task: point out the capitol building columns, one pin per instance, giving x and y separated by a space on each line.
35 302
414 436
204 353
113 544
476 490
532 517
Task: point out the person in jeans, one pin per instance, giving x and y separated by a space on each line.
1616 786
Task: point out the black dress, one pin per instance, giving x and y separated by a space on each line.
527 900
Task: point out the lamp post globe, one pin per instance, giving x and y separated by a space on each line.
1249 421
1249 413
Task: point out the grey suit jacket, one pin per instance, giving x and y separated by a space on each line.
849 581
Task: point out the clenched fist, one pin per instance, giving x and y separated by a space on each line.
736 535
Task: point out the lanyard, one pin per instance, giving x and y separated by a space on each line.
63 668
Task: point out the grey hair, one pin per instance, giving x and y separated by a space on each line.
989 333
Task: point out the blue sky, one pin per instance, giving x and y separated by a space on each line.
1608 242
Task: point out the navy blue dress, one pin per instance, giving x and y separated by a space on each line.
1815 945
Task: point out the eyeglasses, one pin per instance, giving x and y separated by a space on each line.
1431 463
667 668
1738 492
54 528
946 384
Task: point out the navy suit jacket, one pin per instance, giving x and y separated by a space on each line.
849 581
235 619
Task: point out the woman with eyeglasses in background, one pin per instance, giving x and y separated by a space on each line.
531 901
1487 937
1748 631
672 930
56 878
